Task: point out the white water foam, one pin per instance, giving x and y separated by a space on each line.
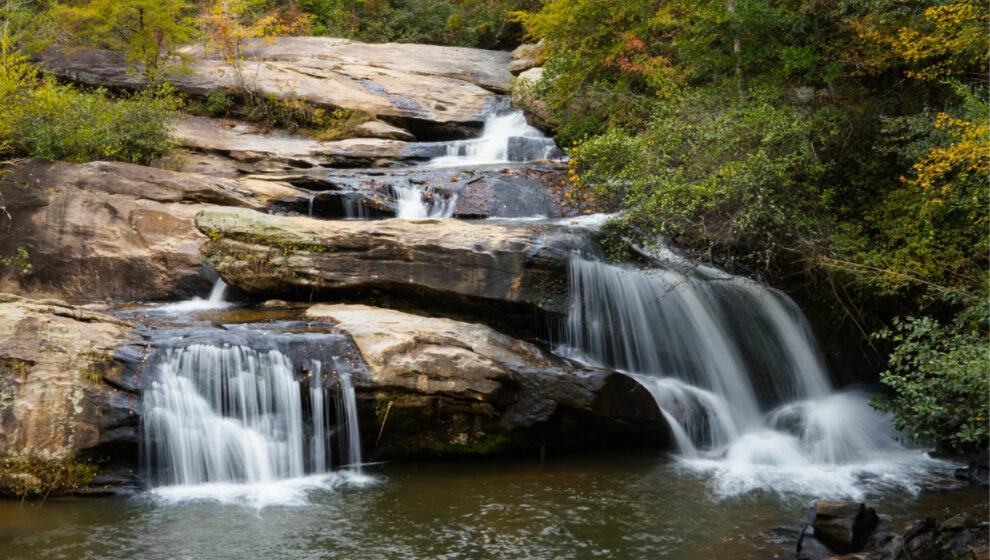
227 423
734 367
505 138
413 206
216 300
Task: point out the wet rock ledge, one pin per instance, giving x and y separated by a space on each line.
447 261
440 386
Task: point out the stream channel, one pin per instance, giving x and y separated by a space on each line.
237 462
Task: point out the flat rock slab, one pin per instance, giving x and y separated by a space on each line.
114 230
445 386
431 91
244 148
444 260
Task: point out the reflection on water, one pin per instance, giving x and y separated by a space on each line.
574 506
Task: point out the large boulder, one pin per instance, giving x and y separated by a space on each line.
450 262
444 386
113 230
526 56
62 389
523 97
432 91
844 526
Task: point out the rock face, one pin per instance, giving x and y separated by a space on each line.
61 394
525 57
243 148
537 112
844 526
448 261
432 91
113 230
444 386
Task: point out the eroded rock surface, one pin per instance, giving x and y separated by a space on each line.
445 386
432 91
61 394
447 261
518 192
113 230
223 147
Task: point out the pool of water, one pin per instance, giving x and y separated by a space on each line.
616 505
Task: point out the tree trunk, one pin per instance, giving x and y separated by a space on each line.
737 51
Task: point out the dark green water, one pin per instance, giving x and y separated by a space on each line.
575 506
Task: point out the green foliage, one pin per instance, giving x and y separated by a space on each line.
741 184
218 103
61 122
148 31
940 375
22 478
469 23
21 260
816 144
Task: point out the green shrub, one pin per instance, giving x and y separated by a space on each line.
64 123
940 375
218 104
743 182
468 23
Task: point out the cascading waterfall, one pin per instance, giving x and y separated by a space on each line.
505 138
734 367
216 300
232 414
411 204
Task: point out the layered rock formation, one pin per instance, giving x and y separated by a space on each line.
431 91
444 260
444 386
61 389
114 230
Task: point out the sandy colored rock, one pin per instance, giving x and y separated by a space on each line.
251 150
537 113
55 402
456 387
430 90
448 261
113 230
526 56
381 129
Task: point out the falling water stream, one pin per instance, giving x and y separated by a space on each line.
735 366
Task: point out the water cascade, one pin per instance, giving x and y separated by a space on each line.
413 205
505 138
735 366
233 414
216 300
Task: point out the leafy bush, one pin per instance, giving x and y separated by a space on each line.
61 122
940 375
468 23
740 184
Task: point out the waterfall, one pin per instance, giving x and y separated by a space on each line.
411 203
216 300
734 368
233 414
506 137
